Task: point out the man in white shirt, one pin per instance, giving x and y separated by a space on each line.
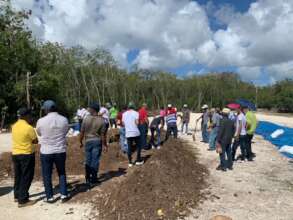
104 112
130 121
52 130
240 136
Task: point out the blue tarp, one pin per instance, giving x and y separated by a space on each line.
265 129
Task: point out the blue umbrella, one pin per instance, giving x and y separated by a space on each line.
246 103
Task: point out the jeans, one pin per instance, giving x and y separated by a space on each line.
205 133
153 137
243 147
48 160
131 141
143 129
171 129
184 124
93 152
212 138
249 142
226 153
24 167
123 140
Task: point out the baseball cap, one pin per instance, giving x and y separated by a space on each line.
48 105
169 105
23 112
226 111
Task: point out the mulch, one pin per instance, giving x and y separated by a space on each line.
167 186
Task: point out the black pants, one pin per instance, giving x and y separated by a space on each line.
226 156
249 149
24 169
113 123
171 129
130 142
243 147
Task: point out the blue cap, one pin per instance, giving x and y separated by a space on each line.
48 105
95 106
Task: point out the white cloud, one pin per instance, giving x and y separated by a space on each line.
172 33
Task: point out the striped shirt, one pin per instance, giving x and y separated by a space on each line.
171 117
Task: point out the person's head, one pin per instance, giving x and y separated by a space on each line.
213 110
185 106
162 108
49 106
144 105
245 109
24 114
108 105
226 112
238 110
169 106
124 108
131 105
114 104
205 108
94 108
218 110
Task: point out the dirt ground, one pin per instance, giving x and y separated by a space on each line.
259 190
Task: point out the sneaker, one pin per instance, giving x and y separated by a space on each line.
139 163
130 165
230 168
15 200
50 200
64 198
153 147
158 147
250 159
28 203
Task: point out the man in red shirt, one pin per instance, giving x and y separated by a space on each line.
143 125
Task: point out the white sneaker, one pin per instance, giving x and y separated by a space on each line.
158 147
51 200
139 163
153 147
130 165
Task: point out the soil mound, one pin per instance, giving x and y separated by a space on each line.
165 187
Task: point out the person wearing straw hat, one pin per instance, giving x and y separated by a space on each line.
224 140
171 121
204 123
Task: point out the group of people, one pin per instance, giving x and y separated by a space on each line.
225 130
219 128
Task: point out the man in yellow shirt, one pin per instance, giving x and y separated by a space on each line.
23 157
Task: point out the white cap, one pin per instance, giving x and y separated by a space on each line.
226 111
169 105
185 105
205 107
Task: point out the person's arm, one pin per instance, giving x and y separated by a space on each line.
33 136
104 138
199 118
82 132
239 128
221 132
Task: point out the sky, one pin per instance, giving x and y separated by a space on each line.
186 37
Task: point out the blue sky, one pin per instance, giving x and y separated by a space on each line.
181 36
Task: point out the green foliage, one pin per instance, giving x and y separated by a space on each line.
75 77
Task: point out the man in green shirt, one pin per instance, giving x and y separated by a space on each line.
252 122
113 115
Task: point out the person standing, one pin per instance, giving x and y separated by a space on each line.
241 136
143 125
93 132
104 112
113 115
185 118
130 120
214 126
52 130
171 121
204 123
251 127
122 139
23 156
156 125
224 139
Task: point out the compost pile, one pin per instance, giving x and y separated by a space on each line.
165 187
